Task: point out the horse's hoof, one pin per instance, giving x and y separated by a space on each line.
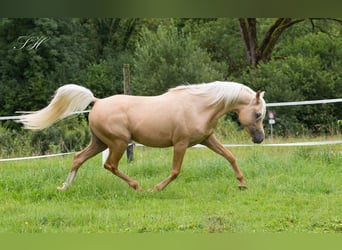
243 187
151 190
62 188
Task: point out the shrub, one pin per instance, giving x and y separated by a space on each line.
71 134
298 79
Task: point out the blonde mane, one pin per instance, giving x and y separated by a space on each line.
227 92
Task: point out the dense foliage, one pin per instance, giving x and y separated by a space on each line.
167 58
39 55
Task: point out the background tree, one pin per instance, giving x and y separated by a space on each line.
221 39
262 51
167 58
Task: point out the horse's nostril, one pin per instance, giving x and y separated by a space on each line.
258 139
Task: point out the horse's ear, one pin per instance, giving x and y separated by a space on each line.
259 94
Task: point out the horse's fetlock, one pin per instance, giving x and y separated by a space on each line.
240 178
135 185
232 161
174 174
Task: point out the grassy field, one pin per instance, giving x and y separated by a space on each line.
290 189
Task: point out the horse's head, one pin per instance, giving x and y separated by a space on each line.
251 116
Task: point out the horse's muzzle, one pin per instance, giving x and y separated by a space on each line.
258 139
257 136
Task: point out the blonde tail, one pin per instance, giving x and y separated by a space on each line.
68 99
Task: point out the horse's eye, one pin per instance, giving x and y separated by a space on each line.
258 115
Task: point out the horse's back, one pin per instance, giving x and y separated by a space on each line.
144 119
127 103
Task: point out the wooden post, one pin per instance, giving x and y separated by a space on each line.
127 91
126 76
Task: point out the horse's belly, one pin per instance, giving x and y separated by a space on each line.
153 138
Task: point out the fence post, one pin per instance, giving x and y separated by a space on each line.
126 75
127 91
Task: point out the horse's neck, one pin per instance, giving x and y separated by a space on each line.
243 100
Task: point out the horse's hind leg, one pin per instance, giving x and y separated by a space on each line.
112 163
95 147
212 143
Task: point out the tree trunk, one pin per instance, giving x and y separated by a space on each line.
254 52
249 35
272 36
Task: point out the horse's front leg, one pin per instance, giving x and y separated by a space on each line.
212 143
178 156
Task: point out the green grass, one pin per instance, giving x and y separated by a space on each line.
297 189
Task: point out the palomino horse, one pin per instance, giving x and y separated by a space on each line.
182 117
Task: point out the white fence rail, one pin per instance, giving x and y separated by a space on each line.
34 157
105 153
281 104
